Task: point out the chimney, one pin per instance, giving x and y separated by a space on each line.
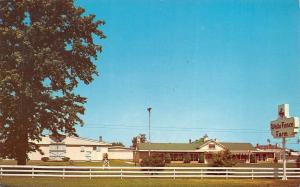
190 141
100 138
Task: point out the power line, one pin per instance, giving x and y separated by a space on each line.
172 128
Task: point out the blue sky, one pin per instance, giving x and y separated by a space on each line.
216 67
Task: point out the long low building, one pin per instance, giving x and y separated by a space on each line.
177 151
78 149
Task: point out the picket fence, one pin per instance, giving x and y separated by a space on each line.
150 172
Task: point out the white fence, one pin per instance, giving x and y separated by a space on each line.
151 172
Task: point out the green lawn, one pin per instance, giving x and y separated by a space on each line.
41 163
83 182
130 163
262 165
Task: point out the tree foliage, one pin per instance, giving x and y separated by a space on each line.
46 49
155 160
117 144
138 139
223 159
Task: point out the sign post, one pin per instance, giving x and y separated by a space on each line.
284 127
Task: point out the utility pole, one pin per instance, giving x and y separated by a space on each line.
149 111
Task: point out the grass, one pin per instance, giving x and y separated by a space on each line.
262 165
41 163
130 163
83 182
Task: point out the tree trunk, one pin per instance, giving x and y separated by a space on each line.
22 146
21 159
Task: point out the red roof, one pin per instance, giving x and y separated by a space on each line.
269 146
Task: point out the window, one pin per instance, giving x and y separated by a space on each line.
211 146
81 148
98 149
57 151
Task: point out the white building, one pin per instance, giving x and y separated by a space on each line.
120 153
76 148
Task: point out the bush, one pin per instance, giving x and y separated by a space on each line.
167 158
66 159
154 161
223 159
71 162
201 158
252 159
187 158
45 159
298 162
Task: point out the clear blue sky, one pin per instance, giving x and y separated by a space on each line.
203 66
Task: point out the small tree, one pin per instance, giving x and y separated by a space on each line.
167 158
141 137
223 159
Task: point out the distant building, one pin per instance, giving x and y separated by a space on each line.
241 151
120 153
268 153
78 149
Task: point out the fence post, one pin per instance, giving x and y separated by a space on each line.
226 173
63 173
252 174
121 173
174 173
1 172
90 173
201 173
32 174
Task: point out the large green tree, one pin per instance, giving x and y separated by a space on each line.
46 48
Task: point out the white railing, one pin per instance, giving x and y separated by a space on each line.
151 172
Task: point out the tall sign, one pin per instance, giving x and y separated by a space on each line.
284 127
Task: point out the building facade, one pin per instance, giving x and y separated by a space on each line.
177 151
76 148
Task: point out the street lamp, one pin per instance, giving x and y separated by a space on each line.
149 111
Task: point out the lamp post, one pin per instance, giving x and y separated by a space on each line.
149 111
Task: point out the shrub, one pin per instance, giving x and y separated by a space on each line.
187 158
167 158
252 159
298 162
154 161
201 158
66 159
71 162
223 159
45 159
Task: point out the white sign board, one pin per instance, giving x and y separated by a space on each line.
284 126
